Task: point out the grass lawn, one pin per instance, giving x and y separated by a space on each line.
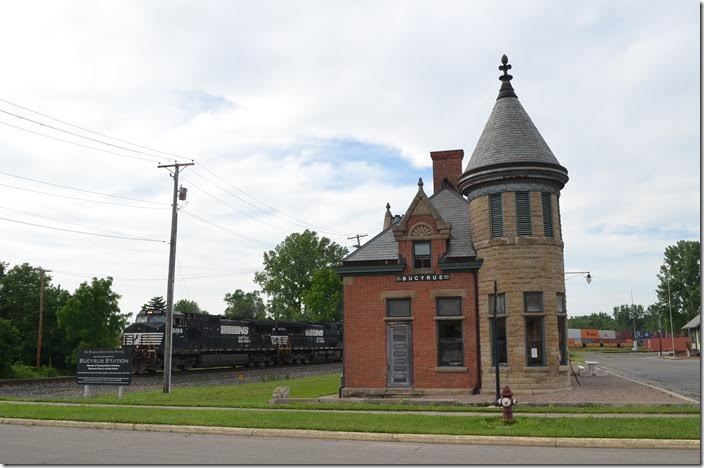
655 428
256 395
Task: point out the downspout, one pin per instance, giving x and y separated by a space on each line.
478 385
342 377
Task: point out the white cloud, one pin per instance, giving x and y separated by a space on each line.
257 90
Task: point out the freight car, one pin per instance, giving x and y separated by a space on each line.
201 340
588 337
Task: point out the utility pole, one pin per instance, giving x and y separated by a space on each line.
41 315
168 338
358 245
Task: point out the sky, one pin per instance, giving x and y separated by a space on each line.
315 114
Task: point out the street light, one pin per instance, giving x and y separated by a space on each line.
669 301
588 276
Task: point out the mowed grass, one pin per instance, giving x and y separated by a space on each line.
256 395
650 428
235 395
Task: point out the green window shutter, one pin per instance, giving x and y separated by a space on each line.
547 214
523 214
497 215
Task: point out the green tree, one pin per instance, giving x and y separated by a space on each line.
186 305
289 268
624 315
681 270
245 305
19 303
323 301
91 318
9 347
599 321
155 303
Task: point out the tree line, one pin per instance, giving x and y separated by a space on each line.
297 280
678 292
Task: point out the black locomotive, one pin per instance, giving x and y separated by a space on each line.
201 340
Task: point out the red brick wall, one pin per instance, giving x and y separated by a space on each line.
366 335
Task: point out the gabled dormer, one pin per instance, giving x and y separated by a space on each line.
422 234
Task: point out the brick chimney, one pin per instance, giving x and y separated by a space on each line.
446 165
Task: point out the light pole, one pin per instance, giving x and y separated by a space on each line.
659 334
496 349
669 301
633 315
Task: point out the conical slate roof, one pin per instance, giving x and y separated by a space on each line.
510 137
511 149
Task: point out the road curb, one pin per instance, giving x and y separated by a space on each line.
566 442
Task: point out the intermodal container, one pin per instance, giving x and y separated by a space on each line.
623 335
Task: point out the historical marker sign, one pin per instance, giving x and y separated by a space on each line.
103 367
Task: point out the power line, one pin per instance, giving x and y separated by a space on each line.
257 241
60 221
76 134
160 278
91 131
82 190
83 232
81 199
79 144
271 210
190 182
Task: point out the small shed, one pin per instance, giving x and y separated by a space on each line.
693 330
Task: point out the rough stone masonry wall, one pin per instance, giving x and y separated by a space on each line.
520 264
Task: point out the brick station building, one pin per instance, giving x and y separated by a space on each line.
419 296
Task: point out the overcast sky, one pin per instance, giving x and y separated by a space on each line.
316 114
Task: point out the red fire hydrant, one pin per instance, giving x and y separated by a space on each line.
506 401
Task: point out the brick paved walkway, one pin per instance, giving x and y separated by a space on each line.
609 389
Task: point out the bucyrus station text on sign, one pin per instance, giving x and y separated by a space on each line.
103 367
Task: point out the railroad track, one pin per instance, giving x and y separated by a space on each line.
186 374
36 381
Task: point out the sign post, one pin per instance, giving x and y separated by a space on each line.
103 367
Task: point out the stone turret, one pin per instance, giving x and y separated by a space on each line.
513 183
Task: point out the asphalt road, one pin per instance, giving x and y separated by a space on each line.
57 445
681 376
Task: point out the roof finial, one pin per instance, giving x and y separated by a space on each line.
420 182
506 88
388 217
505 68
